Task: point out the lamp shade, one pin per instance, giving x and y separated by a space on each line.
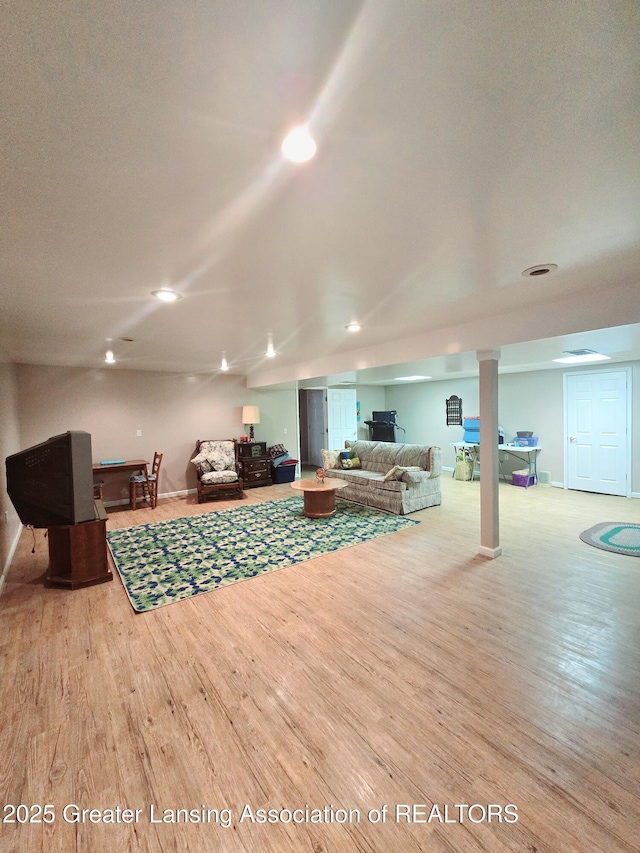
250 415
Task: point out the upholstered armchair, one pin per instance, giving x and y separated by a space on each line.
216 463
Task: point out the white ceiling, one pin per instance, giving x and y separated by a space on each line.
620 343
458 144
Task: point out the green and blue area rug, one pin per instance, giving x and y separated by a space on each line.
617 536
169 561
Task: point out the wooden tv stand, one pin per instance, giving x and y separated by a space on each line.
78 553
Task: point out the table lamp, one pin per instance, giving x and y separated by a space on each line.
250 416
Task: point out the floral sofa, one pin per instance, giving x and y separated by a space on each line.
398 478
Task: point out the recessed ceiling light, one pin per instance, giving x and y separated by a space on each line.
353 327
299 146
270 353
581 356
410 378
166 295
540 269
109 359
224 364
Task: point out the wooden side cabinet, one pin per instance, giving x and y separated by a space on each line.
78 553
255 472
255 465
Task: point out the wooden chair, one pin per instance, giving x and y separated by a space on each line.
145 486
216 462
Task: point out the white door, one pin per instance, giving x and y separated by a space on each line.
342 417
597 439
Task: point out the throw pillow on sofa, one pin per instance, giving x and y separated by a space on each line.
348 461
398 470
331 459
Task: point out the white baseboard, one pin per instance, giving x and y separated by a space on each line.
555 483
12 551
492 553
179 494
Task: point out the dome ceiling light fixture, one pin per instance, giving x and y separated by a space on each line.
109 359
539 269
224 364
166 295
298 146
353 327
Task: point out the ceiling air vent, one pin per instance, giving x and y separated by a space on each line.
581 356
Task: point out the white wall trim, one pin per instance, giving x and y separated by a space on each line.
492 553
12 551
178 494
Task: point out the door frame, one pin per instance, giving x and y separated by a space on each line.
303 395
565 382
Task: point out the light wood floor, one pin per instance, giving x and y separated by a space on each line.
406 670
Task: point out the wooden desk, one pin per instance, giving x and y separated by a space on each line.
138 466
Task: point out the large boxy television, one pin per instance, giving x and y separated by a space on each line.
51 484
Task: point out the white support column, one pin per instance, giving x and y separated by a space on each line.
489 464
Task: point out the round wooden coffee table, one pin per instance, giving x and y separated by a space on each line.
319 498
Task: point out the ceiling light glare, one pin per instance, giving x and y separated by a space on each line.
411 378
109 359
539 269
584 357
270 350
166 295
224 365
353 327
299 146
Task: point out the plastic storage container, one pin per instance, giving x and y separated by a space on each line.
526 441
471 428
283 473
523 478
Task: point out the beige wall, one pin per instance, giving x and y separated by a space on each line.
532 401
171 410
9 443
422 412
371 399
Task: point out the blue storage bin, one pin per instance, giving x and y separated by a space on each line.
471 428
283 473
